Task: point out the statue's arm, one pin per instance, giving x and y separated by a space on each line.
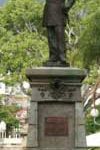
69 4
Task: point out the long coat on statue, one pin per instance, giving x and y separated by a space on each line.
54 13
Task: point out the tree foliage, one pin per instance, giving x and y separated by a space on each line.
23 43
85 21
92 125
89 42
8 114
21 38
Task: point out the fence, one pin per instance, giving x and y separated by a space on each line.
13 138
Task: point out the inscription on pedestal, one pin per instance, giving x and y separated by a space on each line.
56 126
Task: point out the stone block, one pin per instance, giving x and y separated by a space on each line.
56 110
32 114
32 139
63 92
56 120
80 136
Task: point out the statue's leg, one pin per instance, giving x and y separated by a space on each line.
52 43
59 30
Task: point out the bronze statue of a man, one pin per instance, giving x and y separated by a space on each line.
55 16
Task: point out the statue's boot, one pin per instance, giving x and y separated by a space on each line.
63 61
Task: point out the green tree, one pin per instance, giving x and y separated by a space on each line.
21 38
84 22
89 43
8 114
92 125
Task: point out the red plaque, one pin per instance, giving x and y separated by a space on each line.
56 126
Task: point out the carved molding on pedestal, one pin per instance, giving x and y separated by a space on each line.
57 89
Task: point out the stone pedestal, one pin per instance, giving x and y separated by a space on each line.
56 118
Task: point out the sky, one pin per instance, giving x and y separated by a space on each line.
2 2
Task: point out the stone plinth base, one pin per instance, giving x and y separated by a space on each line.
56 118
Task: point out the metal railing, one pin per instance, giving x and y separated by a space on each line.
12 138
